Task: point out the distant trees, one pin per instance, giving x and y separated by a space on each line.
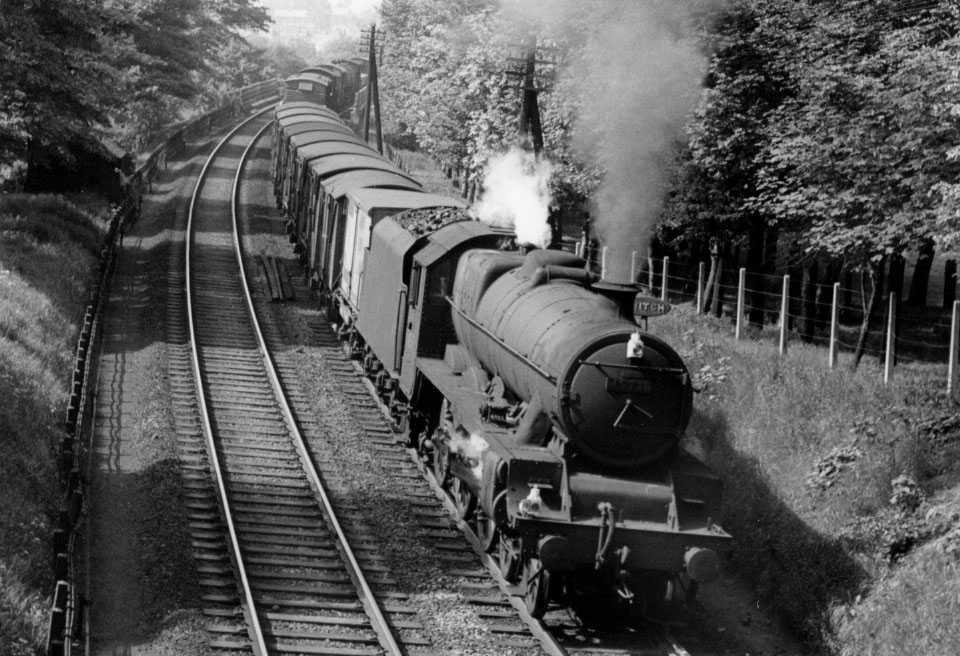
54 82
76 71
854 160
835 124
439 75
445 75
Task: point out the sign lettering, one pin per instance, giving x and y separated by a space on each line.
649 306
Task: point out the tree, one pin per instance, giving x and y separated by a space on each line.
55 82
852 159
444 75
177 53
78 71
753 44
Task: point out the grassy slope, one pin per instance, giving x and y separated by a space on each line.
47 250
808 456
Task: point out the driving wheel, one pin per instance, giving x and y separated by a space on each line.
463 499
537 594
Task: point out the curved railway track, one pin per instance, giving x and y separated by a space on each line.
286 558
300 585
560 632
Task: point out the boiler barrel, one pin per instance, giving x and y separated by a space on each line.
558 340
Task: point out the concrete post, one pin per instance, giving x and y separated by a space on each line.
784 314
741 295
834 316
891 338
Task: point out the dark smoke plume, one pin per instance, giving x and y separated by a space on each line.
636 76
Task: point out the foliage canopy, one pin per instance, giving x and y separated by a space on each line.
835 121
78 72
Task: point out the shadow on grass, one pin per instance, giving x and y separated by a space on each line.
798 571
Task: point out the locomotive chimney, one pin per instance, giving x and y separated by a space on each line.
616 281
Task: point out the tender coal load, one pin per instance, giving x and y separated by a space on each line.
424 221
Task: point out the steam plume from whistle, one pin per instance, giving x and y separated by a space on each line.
516 194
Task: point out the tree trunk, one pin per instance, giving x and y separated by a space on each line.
755 267
949 284
895 280
895 274
874 279
717 306
825 292
847 294
771 243
712 276
29 184
809 301
796 292
921 275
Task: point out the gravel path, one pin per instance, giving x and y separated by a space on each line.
142 586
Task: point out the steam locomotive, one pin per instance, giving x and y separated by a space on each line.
522 378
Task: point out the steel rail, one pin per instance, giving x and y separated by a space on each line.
253 623
367 598
549 642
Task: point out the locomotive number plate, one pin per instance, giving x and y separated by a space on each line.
628 385
649 306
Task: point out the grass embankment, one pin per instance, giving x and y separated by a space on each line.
843 494
48 248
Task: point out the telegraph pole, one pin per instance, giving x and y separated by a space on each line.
529 106
530 128
373 92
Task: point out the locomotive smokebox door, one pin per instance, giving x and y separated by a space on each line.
625 414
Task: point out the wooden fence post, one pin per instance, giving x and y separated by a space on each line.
700 275
954 344
784 314
891 338
741 291
666 282
834 316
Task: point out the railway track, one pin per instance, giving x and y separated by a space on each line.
281 573
287 559
560 632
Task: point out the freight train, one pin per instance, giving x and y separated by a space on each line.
520 376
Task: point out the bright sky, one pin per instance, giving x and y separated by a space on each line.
332 18
357 6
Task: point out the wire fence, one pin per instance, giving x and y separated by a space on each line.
830 315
